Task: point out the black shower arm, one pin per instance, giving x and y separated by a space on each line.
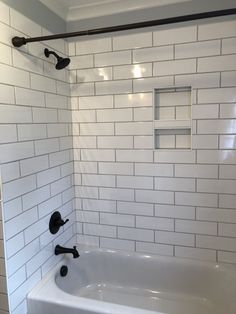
20 41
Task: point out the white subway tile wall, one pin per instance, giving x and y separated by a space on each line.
80 141
129 196
36 159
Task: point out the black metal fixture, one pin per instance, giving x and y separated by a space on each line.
61 62
63 271
56 222
20 41
63 250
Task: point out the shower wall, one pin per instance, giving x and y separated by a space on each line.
35 156
129 196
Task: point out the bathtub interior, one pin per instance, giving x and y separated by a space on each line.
173 286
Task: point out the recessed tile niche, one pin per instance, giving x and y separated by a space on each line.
172 118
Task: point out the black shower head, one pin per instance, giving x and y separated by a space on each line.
61 62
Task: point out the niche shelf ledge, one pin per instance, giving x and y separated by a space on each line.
172 124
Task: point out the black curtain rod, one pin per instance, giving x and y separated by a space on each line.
20 41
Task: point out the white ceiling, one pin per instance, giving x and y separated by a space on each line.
71 10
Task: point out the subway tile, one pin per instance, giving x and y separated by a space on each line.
115 142
42 83
133 100
196 199
117 244
205 141
150 196
8 134
175 184
81 62
198 227
228 111
97 129
60 185
87 216
114 115
134 156
229 45
6 94
143 114
197 171
175 35
83 116
33 165
5 13
153 54
132 41
154 248
135 208
174 238
46 146
217 243
226 257
96 102
84 142
48 176
38 260
133 71
216 157
27 62
99 230
217 30
227 201
14 245
36 229
85 167
115 168
12 208
205 111
19 223
227 230
18 187
10 171
17 279
86 192
134 182
195 253
98 180
94 75
112 58
57 130
97 155
117 194
215 186
198 49
219 63
227 142
216 126
34 198
155 223
175 157
94 45
113 87
27 132
174 211
217 95
148 84
143 142
227 172
52 204
56 101
174 67
15 114
133 128
228 78
99 205
117 220
199 80
154 170
82 89
6 54
135 234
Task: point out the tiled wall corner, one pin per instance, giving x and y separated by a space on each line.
129 196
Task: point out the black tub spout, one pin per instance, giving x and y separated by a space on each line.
63 250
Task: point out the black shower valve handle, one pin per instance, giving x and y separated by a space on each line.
56 222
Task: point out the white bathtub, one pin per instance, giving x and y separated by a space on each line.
114 282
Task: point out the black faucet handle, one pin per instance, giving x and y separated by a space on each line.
56 222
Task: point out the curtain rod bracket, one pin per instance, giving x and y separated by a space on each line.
19 41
